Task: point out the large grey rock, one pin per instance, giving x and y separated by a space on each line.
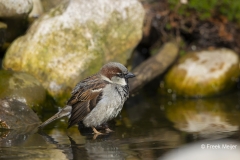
204 73
73 40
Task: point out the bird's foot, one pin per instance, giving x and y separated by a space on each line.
108 130
95 131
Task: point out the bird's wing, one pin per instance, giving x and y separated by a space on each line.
85 98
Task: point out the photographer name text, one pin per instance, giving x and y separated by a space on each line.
219 146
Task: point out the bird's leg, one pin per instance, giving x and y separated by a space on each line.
95 131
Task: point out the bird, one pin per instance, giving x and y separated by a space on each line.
98 98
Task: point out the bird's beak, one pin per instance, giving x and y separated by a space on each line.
129 75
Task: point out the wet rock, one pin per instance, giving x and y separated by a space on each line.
12 8
204 73
16 115
73 40
154 66
22 87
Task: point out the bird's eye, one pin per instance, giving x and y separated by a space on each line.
120 75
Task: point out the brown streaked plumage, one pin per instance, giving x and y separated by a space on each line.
85 98
98 98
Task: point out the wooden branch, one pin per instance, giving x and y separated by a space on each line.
154 66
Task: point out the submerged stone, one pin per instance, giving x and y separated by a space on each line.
73 41
204 73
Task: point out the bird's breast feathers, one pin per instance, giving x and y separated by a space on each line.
107 108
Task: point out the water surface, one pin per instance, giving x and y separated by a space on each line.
149 127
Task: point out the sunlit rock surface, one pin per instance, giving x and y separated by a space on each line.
73 41
13 8
16 115
204 118
21 86
204 73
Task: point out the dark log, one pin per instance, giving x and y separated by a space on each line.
154 66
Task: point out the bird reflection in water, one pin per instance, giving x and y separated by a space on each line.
95 147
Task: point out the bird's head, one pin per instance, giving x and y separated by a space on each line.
115 72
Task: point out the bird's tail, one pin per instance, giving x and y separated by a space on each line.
62 113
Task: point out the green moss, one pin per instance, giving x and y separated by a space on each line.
206 8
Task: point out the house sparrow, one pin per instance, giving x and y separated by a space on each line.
98 98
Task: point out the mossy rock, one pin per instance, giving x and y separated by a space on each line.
203 74
22 87
73 41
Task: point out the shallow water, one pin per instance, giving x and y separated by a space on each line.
149 127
